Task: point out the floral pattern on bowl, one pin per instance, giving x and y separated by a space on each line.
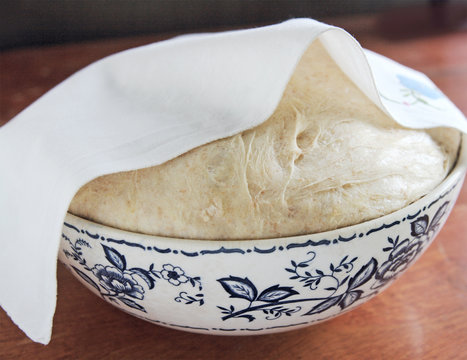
251 286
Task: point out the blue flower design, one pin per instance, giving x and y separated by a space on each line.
421 88
399 259
174 274
115 280
120 282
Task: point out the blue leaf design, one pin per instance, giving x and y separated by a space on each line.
323 306
224 310
364 274
114 257
143 274
350 298
419 226
132 304
439 214
86 278
239 288
276 293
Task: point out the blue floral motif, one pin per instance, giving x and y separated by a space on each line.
275 295
76 249
120 282
189 299
174 274
415 92
243 288
403 253
338 285
328 280
419 87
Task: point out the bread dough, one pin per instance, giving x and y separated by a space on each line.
327 158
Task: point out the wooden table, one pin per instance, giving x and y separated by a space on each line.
422 316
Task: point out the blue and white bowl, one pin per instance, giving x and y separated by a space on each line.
254 286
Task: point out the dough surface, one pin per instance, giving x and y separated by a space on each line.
326 158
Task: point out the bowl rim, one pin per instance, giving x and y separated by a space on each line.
452 180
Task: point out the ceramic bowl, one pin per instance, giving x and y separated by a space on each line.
254 286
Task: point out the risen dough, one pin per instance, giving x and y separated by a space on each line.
326 158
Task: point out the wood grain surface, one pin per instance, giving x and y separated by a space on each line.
423 315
